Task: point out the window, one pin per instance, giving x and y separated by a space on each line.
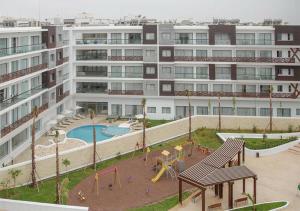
150 87
116 109
92 54
297 111
166 72
52 57
201 53
224 111
132 110
202 72
166 87
184 53
183 111
283 112
150 53
116 52
151 110
245 38
184 72
19 139
35 61
202 87
166 110
133 71
184 38
264 39
4 150
133 52
223 73
246 111
14 66
116 38
184 86
290 88
150 70
116 71
202 110
265 73
201 38
246 88
221 53
244 53
279 88
285 36
150 36
3 69
286 72
166 53
133 38
116 86
279 54
264 111
222 39
165 36
222 88
35 40
265 54
60 38
246 73
4 120
52 38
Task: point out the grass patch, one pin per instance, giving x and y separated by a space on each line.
263 207
154 122
259 143
163 205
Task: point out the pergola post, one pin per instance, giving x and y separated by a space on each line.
239 158
254 189
244 153
180 190
230 163
216 190
203 199
244 185
221 190
230 195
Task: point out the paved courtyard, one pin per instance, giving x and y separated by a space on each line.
278 177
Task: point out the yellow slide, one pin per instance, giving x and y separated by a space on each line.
160 173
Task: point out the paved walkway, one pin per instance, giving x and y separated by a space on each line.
278 177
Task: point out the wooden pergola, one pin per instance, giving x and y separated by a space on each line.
211 171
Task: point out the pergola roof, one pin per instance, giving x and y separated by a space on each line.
208 171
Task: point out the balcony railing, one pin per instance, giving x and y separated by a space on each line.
234 59
6 130
88 57
254 42
61 97
255 77
20 73
21 49
191 41
236 94
63 60
125 92
125 58
17 98
107 41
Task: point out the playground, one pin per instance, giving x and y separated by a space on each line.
137 181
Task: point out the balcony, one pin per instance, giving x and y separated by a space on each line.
61 97
125 58
21 49
125 92
254 42
191 41
23 72
107 41
6 130
234 59
61 61
255 77
18 98
236 94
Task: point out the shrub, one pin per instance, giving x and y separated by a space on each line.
292 138
254 129
290 128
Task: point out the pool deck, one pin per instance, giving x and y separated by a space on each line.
45 142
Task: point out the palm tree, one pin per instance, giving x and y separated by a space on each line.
35 114
64 189
14 173
143 102
190 140
57 201
66 162
92 116
219 108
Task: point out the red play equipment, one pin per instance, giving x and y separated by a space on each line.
104 172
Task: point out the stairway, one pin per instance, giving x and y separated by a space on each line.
295 149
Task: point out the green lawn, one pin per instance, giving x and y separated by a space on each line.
263 207
259 143
163 205
154 122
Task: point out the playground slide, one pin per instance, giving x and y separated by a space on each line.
160 173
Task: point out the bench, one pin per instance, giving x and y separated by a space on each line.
194 198
214 206
243 199
203 150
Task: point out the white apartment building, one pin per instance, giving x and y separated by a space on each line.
111 68
34 72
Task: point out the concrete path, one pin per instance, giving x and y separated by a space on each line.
278 177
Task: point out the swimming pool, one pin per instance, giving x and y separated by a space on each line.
103 132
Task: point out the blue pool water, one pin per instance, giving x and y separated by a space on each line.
103 132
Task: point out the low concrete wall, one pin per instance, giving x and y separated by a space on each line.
83 156
263 152
14 205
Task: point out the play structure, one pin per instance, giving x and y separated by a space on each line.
167 163
112 170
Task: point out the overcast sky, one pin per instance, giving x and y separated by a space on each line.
202 10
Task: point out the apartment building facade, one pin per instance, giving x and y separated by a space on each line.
115 67
34 72
111 68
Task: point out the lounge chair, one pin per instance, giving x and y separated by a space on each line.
80 116
69 120
65 123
